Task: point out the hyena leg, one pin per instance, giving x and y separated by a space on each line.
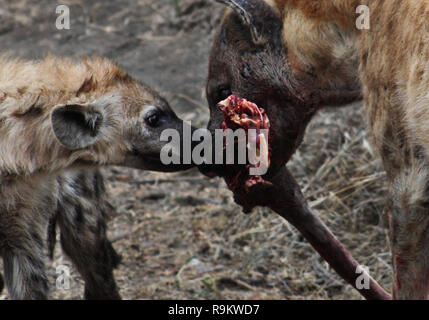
82 222
409 232
23 260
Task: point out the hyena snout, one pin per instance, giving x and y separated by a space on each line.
162 143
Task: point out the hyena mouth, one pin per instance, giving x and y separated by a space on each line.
238 113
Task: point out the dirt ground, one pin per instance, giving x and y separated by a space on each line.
180 235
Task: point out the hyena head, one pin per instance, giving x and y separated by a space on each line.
58 113
286 64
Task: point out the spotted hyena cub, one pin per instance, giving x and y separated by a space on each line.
60 119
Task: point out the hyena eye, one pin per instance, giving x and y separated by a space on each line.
153 120
224 93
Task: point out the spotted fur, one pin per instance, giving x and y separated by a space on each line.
321 58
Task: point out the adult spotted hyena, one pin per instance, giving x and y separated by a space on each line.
59 120
292 57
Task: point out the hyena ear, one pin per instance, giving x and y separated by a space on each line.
76 126
261 18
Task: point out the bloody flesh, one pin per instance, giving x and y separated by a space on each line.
242 114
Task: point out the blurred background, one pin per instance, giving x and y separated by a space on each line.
180 235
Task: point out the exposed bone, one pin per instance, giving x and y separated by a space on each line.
288 201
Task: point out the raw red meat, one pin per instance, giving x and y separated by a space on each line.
242 114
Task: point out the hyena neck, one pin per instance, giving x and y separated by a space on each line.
31 149
322 45
342 12
35 153
28 145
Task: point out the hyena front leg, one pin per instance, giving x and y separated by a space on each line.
409 232
22 249
82 220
